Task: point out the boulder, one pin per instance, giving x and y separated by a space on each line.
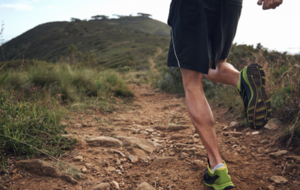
104 142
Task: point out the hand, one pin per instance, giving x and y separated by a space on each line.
269 4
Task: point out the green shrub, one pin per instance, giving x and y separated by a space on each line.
31 123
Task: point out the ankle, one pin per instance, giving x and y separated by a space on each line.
214 162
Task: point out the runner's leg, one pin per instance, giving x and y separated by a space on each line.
201 114
224 73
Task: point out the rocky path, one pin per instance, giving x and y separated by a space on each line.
151 145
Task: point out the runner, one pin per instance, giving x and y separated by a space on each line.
202 32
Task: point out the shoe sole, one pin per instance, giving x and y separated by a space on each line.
225 186
259 106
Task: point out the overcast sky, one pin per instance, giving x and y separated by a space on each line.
275 29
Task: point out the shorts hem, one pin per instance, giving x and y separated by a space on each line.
192 67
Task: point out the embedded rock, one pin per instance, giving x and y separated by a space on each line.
273 124
233 124
177 127
145 186
143 144
50 170
133 159
69 179
104 142
278 179
32 166
278 153
163 161
102 186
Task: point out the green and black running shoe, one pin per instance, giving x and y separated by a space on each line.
252 90
219 180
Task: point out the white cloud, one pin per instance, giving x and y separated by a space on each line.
17 6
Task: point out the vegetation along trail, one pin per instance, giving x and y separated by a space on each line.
153 145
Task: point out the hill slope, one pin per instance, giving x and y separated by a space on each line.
115 43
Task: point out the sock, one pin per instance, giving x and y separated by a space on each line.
217 167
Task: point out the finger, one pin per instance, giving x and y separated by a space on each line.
260 2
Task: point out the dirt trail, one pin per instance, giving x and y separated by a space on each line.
152 61
162 155
153 140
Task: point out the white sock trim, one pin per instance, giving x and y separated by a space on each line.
217 167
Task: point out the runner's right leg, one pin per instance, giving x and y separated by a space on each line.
201 114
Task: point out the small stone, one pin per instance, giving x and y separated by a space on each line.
133 159
225 128
273 124
196 136
265 141
278 179
102 186
145 186
255 133
236 134
14 171
234 124
115 185
270 187
81 176
110 169
84 169
78 158
278 153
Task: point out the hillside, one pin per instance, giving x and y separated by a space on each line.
114 43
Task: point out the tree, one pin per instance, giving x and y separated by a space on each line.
100 17
75 19
74 54
144 15
120 16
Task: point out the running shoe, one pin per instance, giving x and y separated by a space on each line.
252 90
219 180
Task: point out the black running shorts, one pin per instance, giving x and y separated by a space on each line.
202 31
